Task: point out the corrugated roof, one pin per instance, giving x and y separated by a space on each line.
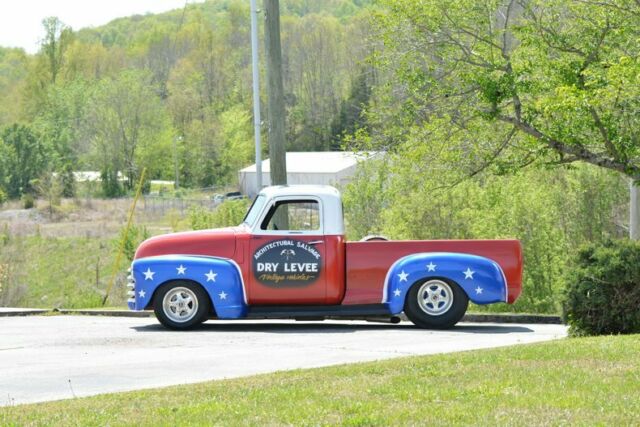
317 161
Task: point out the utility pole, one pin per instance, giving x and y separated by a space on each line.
256 93
275 92
634 211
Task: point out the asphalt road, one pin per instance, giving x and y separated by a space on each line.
59 357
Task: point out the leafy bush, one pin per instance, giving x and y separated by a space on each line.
111 187
28 202
68 181
603 291
3 196
135 236
230 212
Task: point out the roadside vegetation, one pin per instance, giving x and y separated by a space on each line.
492 119
572 381
552 212
603 292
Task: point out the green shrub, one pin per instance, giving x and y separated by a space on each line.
111 187
68 181
603 290
28 202
230 212
135 236
3 196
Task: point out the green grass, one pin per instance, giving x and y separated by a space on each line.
58 272
572 381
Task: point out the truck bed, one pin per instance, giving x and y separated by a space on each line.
368 263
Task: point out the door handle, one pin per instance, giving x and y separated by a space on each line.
316 242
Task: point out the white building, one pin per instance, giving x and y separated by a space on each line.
321 167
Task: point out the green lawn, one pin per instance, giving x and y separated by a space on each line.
572 381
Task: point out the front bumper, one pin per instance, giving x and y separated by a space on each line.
131 290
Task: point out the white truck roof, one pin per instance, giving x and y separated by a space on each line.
328 196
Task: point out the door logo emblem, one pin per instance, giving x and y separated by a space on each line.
288 253
287 263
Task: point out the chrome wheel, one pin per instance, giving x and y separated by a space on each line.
180 304
435 297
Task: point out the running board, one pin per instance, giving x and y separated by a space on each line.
319 312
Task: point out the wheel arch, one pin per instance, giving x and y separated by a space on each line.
483 282
220 278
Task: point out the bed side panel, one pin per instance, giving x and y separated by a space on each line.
368 263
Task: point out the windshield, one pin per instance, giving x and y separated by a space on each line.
254 210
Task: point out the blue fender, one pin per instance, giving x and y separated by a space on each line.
219 277
480 278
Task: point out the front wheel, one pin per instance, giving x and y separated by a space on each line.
436 304
181 305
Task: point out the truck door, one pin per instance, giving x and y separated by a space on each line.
287 251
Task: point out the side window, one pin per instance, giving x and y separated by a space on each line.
293 215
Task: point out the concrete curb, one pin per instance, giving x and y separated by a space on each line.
476 318
112 313
10 312
513 318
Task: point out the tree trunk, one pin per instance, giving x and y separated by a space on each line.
634 211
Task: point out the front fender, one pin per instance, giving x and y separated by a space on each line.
480 278
219 277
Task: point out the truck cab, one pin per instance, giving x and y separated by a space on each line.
296 246
289 259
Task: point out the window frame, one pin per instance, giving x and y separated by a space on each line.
299 198
255 200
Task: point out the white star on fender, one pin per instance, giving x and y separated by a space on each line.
431 266
148 275
211 276
468 274
397 292
478 290
403 276
222 295
141 293
181 269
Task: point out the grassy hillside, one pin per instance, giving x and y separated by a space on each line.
66 260
69 272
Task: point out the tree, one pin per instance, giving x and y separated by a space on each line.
511 82
237 142
23 158
57 38
49 186
14 64
351 116
129 128
60 121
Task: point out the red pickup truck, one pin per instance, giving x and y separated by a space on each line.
289 259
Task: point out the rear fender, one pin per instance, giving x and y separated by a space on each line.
480 278
219 277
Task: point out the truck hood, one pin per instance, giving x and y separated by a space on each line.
220 242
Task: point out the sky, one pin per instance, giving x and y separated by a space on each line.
21 20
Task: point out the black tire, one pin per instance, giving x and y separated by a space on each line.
436 303
181 305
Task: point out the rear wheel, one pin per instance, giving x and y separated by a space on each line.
180 305
436 304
